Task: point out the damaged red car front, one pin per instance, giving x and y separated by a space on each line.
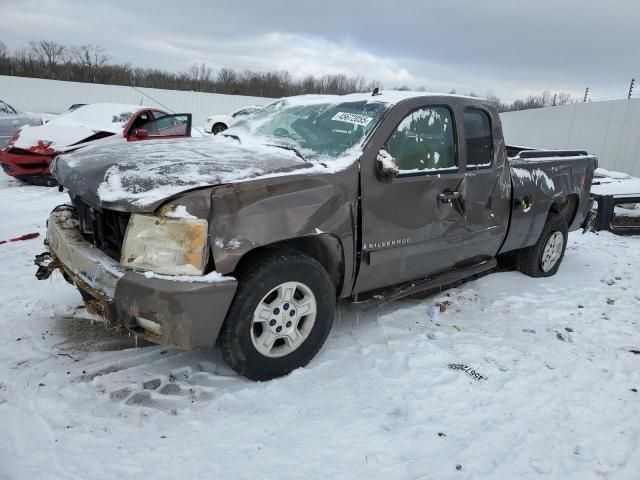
29 153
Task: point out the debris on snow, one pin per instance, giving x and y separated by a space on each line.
468 370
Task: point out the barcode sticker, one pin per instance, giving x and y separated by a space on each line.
352 118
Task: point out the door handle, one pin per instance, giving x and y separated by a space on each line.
448 197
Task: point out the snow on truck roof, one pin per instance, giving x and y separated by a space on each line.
390 97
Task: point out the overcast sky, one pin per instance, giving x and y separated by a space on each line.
507 47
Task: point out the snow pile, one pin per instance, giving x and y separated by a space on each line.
607 182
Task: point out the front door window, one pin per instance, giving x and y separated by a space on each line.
424 142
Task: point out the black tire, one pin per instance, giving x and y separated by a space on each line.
218 127
529 260
39 180
255 280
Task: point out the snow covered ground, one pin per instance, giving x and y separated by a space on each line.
561 357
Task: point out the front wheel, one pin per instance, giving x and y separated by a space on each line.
280 317
544 257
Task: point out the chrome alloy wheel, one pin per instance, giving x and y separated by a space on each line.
552 251
283 319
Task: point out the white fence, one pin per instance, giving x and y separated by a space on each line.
53 96
610 130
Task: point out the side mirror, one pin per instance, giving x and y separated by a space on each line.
140 133
386 165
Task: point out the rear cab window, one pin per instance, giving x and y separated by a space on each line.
478 138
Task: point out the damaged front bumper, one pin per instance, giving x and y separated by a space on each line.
185 314
26 164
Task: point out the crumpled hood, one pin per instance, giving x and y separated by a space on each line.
53 137
140 176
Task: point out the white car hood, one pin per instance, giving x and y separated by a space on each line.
65 131
56 137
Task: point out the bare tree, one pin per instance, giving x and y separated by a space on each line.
90 58
5 61
564 98
90 63
200 75
308 84
227 79
49 55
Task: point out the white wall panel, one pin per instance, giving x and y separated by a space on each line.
53 96
610 130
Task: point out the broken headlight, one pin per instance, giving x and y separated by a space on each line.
172 246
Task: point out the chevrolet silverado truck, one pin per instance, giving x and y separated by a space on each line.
246 241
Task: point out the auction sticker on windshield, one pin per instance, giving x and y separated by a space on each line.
353 118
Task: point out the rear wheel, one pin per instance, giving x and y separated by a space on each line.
543 259
218 127
280 317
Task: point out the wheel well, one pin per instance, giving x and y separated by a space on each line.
566 206
326 249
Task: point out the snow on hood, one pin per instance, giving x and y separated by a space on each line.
70 128
56 138
140 176
108 117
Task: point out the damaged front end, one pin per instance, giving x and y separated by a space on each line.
29 164
181 311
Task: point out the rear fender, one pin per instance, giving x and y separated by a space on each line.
536 193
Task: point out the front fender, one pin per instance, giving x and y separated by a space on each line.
254 214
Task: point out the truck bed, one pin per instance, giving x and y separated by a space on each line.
545 181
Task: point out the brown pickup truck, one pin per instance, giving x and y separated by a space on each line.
247 240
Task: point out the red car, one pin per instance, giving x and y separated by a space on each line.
31 150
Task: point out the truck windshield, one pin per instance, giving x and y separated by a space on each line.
320 130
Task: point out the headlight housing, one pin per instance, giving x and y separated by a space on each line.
171 246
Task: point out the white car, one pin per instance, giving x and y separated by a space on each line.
219 123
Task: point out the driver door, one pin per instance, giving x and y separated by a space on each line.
413 223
